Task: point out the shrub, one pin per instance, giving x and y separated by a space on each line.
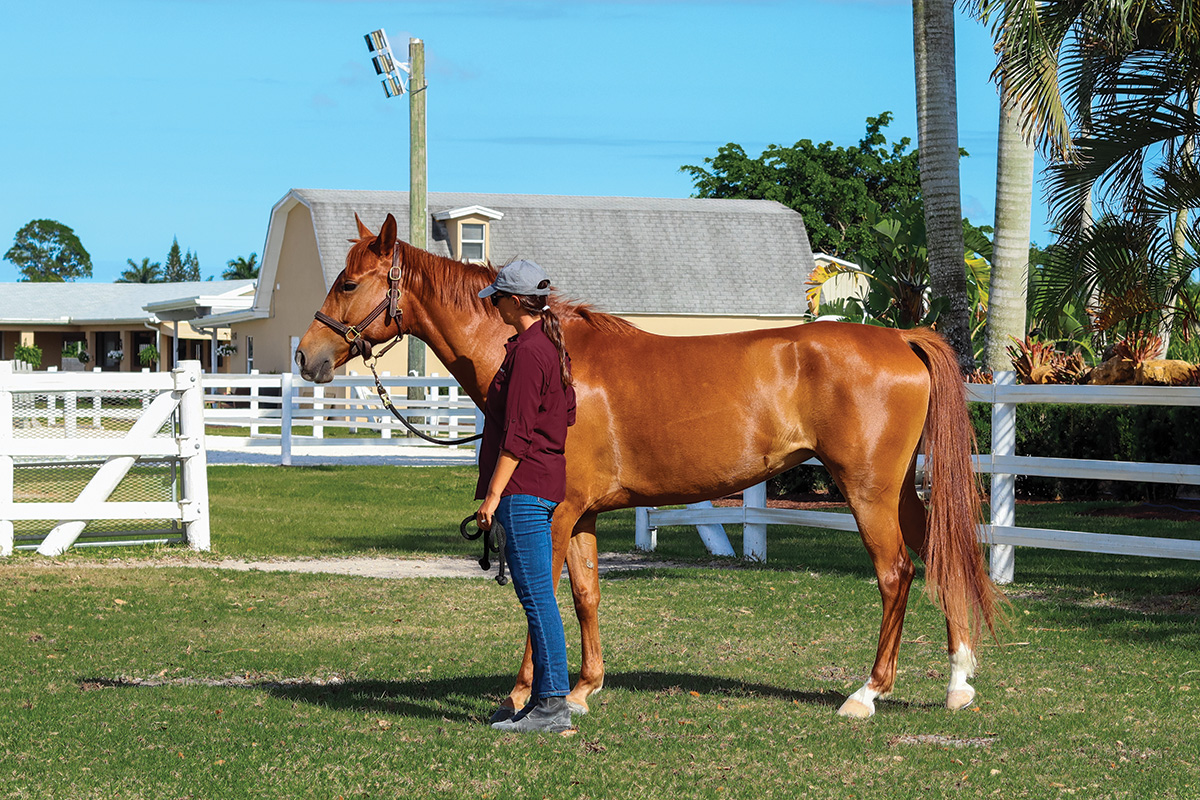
31 354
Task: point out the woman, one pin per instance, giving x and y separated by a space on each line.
522 476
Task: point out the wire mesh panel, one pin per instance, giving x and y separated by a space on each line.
89 415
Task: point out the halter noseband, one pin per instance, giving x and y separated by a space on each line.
390 303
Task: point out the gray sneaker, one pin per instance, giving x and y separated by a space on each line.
550 715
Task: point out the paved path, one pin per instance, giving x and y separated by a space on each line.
391 568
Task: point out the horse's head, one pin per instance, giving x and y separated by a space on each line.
362 308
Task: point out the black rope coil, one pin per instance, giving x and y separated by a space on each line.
494 541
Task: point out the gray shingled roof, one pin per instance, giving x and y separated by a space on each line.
80 303
622 254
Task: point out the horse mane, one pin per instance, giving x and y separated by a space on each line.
457 284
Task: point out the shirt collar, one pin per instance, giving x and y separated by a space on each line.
532 330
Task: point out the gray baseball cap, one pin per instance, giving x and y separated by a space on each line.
519 277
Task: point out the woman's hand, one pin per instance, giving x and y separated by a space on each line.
506 465
487 513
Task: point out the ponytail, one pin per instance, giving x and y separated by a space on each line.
539 306
553 330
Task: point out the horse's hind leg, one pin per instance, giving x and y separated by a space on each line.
914 521
879 524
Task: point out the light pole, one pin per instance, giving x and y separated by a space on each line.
393 84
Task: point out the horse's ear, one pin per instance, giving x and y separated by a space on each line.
363 231
387 236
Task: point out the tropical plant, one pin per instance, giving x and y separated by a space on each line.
148 356
1110 91
899 294
31 354
1037 361
146 272
1118 275
241 268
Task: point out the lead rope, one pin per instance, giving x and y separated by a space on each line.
387 403
494 541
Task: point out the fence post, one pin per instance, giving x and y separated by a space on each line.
385 420
285 422
195 458
70 414
6 461
255 391
754 535
1004 495
645 538
318 406
478 430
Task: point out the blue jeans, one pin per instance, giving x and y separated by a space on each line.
526 521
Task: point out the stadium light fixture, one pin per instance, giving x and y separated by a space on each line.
386 65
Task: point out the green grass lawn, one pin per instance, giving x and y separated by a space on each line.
118 682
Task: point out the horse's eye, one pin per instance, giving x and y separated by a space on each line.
349 286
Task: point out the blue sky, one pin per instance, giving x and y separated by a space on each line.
136 121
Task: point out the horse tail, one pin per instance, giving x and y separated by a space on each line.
953 555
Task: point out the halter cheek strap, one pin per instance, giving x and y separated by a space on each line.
353 334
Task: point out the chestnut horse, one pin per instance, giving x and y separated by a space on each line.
741 408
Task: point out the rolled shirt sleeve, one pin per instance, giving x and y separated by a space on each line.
524 401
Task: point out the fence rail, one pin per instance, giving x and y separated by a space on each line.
283 410
1002 464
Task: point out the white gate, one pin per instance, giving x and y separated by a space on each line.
100 438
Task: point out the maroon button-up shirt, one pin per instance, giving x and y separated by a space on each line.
527 413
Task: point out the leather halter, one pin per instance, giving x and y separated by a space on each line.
390 303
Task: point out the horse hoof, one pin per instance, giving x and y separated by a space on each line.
855 709
577 709
959 699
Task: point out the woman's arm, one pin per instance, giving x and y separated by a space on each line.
506 465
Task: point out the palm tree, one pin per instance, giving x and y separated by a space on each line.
241 269
1010 251
1109 90
937 142
146 272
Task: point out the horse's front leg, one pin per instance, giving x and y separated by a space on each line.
583 569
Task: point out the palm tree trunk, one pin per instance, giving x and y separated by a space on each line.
937 142
1010 251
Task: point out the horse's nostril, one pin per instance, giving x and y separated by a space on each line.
300 358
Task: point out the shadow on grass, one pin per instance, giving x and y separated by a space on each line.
472 698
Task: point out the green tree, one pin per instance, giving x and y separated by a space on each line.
832 187
180 266
191 266
241 268
146 272
937 138
48 251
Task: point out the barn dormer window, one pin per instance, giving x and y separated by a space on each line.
472 239
469 231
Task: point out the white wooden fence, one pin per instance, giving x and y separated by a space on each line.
285 410
57 421
1003 464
